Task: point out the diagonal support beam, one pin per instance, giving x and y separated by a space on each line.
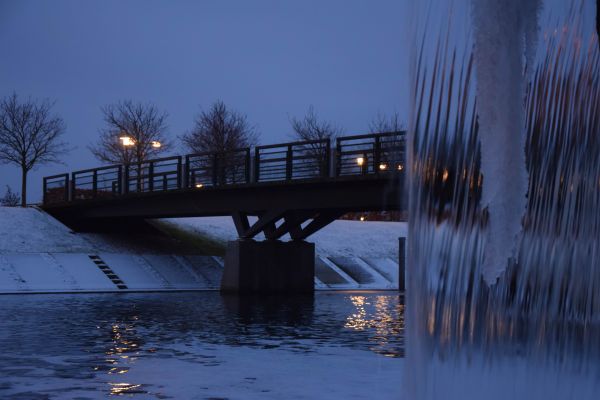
292 224
266 222
269 230
240 220
322 220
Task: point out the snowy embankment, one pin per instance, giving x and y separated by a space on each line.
39 254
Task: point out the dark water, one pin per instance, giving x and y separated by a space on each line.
52 344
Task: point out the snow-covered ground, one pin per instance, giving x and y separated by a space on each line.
29 230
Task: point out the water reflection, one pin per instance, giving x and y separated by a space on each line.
125 388
384 317
98 342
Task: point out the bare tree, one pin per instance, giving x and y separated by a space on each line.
383 123
134 132
310 127
10 199
29 135
220 129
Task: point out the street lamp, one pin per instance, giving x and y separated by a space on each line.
156 144
127 141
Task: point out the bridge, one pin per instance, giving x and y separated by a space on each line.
293 188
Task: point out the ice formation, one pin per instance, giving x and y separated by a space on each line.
504 37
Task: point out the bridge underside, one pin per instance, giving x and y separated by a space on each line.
295 208
293 202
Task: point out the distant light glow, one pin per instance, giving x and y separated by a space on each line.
383 167
400 167
156 144
445 175
362 218
360 161
199 186
127 141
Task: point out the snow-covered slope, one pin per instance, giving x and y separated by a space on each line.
29 230
39 254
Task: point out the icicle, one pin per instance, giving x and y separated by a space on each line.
501 34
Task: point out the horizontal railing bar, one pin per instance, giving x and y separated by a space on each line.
155 160
370 135
210 153
82 171
271 146
56 176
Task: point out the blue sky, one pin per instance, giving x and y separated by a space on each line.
267 59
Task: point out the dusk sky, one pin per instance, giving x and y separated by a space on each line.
267 59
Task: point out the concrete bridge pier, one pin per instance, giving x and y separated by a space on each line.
269 266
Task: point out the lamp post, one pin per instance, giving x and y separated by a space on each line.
362 163
128 142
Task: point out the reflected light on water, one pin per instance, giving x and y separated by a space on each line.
385 321
124 340
124 388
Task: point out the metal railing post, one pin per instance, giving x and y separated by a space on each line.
325 172
215 173
179 172
126 186
256 165
288 163
67 181
95 184
338 157
151 176
247 166
120 180
376 155
44 195
73 186
186 173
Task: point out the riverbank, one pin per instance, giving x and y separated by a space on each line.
39 254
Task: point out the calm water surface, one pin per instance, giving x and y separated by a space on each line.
52 344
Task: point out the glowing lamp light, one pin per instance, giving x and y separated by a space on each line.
156 144
199 186
383 167
362 218
360 161
127 141
400 167
445 175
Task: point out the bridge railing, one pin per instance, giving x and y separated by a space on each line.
56 189
290 161
213 169
376 153
103 182
382 153
154 175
